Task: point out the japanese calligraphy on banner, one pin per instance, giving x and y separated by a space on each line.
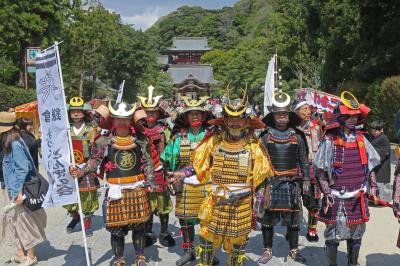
54 126
319 99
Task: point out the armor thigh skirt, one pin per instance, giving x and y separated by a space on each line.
228 224
188 202
133 208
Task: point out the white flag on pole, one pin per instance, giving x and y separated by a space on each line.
120 92
54 126
269 86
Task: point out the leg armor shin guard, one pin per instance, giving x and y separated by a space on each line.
353 250
268 235
166 238
151 239
331 248
206 252
237 256
312 234
187 244
293 236
118 245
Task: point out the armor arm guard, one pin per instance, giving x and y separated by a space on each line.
148 164
97 155
323 181
303 159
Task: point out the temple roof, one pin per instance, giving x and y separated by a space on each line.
202 73
189 44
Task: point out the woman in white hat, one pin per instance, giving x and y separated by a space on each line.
20 227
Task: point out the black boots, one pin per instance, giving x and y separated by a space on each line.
166 238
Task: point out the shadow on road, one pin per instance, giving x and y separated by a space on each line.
46 251
383 259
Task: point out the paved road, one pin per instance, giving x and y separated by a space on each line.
378 247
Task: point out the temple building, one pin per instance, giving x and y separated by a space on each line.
189 77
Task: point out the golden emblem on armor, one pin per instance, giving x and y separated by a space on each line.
125 159
79 158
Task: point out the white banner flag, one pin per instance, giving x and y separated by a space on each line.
120 92
54 126
269 86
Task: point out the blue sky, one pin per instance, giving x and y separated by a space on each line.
143 13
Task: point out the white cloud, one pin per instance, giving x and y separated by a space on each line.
145 20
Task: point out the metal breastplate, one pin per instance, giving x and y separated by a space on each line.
157 137
124 162
186 154
283 154
231 165
81 146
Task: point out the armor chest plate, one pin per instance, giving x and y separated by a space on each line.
283 154
186 154
81 146
124 163
231 166
157 137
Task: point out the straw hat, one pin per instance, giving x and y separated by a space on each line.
7 121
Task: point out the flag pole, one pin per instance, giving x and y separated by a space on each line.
72 158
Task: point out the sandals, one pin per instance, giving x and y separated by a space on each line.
17 259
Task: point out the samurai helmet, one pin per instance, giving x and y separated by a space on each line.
236 108
194 104
77 103
150 102
281 102
122 110
349 105
239 108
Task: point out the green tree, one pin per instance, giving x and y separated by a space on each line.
29 23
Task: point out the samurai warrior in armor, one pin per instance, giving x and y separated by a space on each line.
344 163
236 165
128 165
158 135
82 135
190 130
313 133
282 193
